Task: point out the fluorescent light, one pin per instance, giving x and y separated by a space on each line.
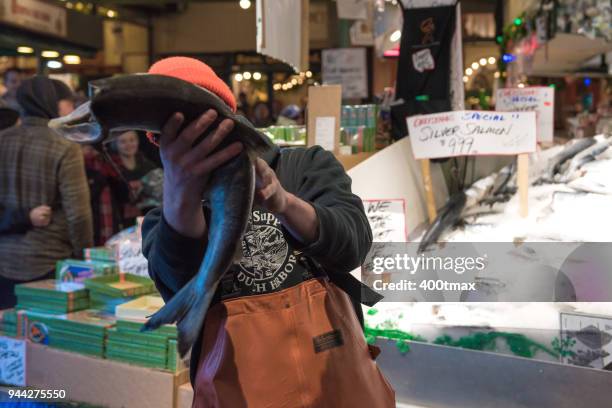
54 64
238 77
246 75
483 61
245 4
49 54
256 76
72 59
395 36
25 50
492 60
475 65
469 71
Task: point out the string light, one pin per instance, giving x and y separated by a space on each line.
256 76
475 65
25 50
469 71
238 77
395 36
246 75
465 79
492 60
483 62
245 4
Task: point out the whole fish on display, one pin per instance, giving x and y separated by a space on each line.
146 102
587 155
447 217
566 154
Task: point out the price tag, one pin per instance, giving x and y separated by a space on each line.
540 100
472 133
12 361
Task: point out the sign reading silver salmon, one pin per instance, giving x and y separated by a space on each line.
472 133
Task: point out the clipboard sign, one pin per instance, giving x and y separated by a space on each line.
474 133
324 107
538 99
12 361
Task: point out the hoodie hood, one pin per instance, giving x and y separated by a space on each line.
38 96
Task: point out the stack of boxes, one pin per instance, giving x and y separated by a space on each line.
8 323
51 296
358 127
108 291
126 343
80 332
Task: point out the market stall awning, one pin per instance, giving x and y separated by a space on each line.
566 53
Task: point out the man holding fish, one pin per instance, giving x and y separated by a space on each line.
279 331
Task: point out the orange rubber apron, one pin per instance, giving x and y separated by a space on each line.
299 347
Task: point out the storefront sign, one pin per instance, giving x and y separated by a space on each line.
346 67
12 361
472 133
540 100
35 15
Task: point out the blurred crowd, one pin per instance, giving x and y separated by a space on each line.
262 116
57 197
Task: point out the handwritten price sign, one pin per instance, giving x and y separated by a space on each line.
540 100
12 361
472 133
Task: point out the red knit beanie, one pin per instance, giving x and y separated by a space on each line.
196 72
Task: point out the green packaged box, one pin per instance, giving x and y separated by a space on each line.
75 270
120 285
99 254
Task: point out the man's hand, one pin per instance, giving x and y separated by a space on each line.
268 191
296 215
40 216
187 169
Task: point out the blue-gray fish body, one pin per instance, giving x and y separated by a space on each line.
146 102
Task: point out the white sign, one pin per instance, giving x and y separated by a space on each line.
387 219
352 9
325 127
12 361
35 15
346 67
472 133
540 100
586 340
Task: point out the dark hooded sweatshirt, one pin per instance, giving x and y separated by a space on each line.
272 259
39 167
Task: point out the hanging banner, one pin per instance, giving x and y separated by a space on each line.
35 15
540 100
282 31
346 67
352 9
472 133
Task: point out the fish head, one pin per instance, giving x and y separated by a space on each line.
79 126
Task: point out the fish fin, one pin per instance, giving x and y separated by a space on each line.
187 309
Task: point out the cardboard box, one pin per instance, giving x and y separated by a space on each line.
185 396
101 382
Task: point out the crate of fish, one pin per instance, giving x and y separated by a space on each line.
76 270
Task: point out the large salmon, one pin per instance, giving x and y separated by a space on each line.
146 102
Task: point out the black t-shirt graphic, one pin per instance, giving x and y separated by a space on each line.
269 263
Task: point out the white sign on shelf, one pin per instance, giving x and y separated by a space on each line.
325 127
472 133
12 361
538 99
387 219
587 340
346 67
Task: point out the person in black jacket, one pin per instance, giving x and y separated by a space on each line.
305 224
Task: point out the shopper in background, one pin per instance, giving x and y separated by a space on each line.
12 78
38 168
261 115
289 116
133 166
